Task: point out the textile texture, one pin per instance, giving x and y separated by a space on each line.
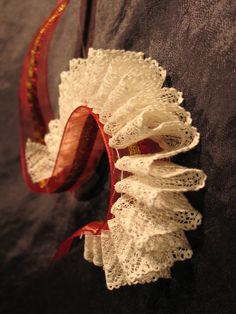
195 42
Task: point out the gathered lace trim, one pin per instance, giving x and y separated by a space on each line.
146 234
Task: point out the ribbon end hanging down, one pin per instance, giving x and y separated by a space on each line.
63 249
93 228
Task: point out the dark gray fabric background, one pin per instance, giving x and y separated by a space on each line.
195 42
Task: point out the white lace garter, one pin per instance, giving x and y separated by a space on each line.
146 234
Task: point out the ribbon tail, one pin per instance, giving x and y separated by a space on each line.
93 227
63 249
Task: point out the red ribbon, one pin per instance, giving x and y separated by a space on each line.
93 228
35 111
34 106
83 135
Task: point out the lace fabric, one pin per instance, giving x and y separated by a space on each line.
146 233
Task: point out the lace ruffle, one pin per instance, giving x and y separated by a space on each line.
146 234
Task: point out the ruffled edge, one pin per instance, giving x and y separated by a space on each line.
133 107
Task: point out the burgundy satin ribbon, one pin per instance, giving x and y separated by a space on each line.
92 228
35 110
71 170
83 135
